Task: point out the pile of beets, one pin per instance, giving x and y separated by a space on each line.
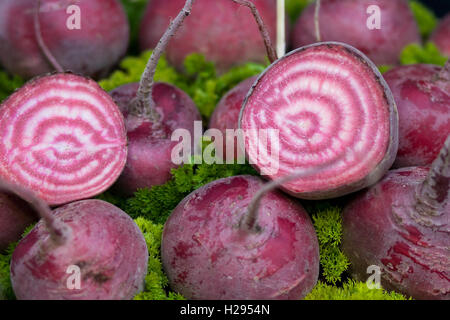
380 141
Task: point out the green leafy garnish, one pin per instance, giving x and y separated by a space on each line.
158 202
426 19
295 7
135 10
328 225
8 84
415 53
352 290
6 291
156 282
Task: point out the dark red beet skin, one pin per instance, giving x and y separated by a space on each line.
423 102
15 216
441 36
333 111
394 226
91 50
220 30
346 21
102 240
150 147
226 113
206 254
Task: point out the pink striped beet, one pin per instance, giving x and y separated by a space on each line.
63 137
333 112
209 253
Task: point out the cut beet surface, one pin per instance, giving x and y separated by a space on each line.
333 111
63 137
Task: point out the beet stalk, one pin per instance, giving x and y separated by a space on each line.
93 236
153 111
402 226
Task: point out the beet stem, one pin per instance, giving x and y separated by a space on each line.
57 229
144 105
249 221
317 22
271 52
434 192
42 46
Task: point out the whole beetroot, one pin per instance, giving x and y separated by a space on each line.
91 50
91 237
422 95
153 111
15 216
402 226
220 30
219 243
226 116
441 36
346 21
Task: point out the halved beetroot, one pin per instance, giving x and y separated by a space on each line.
63 137
333 111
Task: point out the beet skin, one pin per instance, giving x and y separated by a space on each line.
102 240
15 216
423 103
207 255
221 30
346 21
91 51
402 226
150 146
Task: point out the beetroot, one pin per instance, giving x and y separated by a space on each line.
422 95
220 30
63 137
91 50
441 36
402 226
152 112
346 21
93 236
214 246
15 216
331 107
226 116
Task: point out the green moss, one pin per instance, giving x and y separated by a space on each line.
328 225
426 19
352 290
156 281
428 53
6 291
8 84
295 7
157 203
